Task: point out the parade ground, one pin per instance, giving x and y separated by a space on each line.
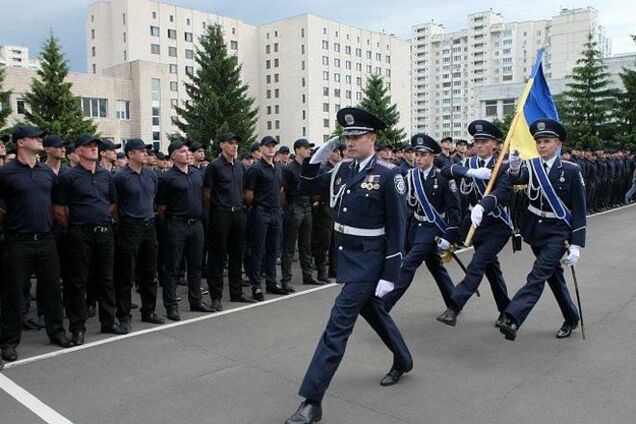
244 365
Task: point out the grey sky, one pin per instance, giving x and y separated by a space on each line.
28 22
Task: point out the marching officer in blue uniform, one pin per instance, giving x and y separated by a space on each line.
555 216
368 195
489 214
435 221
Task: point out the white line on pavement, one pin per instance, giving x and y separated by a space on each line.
209 316
32 403
160 328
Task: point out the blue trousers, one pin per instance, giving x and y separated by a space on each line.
484 261
354 299
421 252
546 267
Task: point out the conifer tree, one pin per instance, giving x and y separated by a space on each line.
52 105
5 107
377 101
219 101
626 111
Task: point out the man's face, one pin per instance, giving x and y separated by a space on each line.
461 148
248 161
386 154
424 160
268 150
485 147
31 144
446 145
88 151
409 155
138 156
109 155
256 154
360 146
547 147
284 158
229 148
3 149
302 152
181 156
151 159
335 156
55 152
199 155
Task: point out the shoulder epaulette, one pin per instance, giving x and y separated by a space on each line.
386 164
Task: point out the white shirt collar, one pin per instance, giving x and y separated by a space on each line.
364 163
550 162
427 171
486 161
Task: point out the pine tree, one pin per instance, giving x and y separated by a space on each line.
377 101
5 106
504 124
219 101
626 111
52 105
589 101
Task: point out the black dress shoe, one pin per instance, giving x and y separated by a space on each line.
113 329
509 329
242 299
448 317
257 295
9 354
566 330
152 318
500 320
201 307
173 315
311 281
61 340
78 338
275 289
217 305
394 375
307 413
126 326
288 287
90 311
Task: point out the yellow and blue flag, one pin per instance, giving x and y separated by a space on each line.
535 102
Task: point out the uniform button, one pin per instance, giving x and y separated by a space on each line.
419 225
348 191
540 221
344 209
339 247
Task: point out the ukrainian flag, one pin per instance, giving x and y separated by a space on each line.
535 102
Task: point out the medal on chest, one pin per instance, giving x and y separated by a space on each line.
371 182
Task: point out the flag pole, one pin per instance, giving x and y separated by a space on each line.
504 150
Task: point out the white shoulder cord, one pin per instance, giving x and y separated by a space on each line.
531 187
333 198
410 195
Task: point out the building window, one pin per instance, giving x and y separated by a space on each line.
173 68
325 44
275 47
155 89
154 31
20 106
124 36
123 18
302 32
172 51
123 109
275 77
276 109
268 79
268 94
154 15
267 49
491 107
348 94
277 126
325 123
94 68
234 45
92 34
269 125
189 70
304 114
275 63
325 91
172 34
269 110
302 49
325 60
94 108
93 51
388 73
189 54
347 49
276 93
378 57
188 36
508 106
302 81
187 21
336 63
174 103
325 75
336 77
336 92
268 64
174 86
325 107
125 55
154 49
171 18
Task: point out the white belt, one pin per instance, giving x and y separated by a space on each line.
424 218
354 231
542 214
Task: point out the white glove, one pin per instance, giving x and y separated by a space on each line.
323 152
442 244
514 162
476 215
573 256
479 173
384 287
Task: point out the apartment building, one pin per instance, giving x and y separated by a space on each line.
17 56
449 67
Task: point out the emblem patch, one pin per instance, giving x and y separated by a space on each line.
400 186
452 185
479 127
541 126
349 119
420 140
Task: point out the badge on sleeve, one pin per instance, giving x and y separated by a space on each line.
400 186
452 185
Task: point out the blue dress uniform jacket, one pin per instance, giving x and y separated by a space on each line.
568 184
371 199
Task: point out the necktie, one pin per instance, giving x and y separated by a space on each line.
356 168
481 163
545 166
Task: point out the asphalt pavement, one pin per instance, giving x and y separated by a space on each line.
245 364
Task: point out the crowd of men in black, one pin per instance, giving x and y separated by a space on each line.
91 223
